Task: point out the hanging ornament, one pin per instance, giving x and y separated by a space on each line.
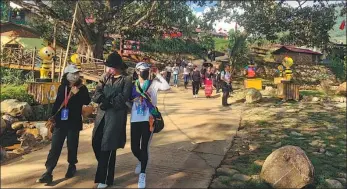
342 26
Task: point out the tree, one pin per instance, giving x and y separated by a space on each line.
269 18
112 17
238 48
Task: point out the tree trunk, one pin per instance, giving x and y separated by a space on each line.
98 50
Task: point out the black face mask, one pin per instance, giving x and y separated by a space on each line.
144 74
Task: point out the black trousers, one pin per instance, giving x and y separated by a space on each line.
140 141
226 92
106 159
168 77
58 138
218 86
196 87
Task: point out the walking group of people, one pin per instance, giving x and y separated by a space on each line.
117 94
210 77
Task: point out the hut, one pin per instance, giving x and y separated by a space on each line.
299 55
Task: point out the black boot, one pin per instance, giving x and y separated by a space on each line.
70 171
45 178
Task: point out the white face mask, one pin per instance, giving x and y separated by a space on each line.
73 77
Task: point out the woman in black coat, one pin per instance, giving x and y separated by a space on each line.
67 126
109 134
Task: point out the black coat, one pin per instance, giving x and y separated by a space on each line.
118 91
74 105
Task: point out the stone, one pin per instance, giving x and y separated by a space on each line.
241 177
315 99
265 131
253 147
342 180
28 140
220 182
332 127
288 167
3 125
253 95
17 125
226 171
317 137
334 183
272 136
9 119
341 90
255 177
342 174
330 154
15 108
259 162
279 144
321 150
35 131
296 133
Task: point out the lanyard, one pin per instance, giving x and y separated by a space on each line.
65 100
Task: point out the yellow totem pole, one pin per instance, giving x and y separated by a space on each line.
75 59
288 62
46 54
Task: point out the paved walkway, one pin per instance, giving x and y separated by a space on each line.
184 155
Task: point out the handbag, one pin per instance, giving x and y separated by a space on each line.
158 120
50 124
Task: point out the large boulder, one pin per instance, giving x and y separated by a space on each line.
288 167
253 95
3 126
341 90
15 108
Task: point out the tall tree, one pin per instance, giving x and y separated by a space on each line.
111 17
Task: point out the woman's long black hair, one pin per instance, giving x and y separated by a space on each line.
65 82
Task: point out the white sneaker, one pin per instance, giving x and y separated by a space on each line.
138 168
101 185
142 180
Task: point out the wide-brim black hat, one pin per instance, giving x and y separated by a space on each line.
114 60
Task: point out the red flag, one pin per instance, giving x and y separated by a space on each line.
342 26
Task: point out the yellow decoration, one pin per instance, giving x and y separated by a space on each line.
288 62
253 83
46 54
75 59
280 68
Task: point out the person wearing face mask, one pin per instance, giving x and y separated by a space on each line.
144 98
73 95
109 133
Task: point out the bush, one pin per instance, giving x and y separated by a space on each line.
18 92
14 77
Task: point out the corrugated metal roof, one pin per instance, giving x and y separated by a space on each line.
298 50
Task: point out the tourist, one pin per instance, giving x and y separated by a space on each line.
109 133
144 97
226 85
217 80
196 81
186 75
208 82
250 70
168 70
66 112
176 71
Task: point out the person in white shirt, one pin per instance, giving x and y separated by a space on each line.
144 97
186 75
168 70
175 71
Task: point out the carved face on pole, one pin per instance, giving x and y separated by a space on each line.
46 53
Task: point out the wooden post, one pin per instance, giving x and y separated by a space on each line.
33 63
21 56
68 44
60 62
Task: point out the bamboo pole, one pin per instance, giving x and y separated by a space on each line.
60 62
68 44
33 62
55 51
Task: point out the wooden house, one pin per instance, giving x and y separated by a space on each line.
299 55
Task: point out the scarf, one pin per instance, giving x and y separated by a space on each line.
140 93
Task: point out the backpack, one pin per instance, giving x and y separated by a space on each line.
251 72
219 76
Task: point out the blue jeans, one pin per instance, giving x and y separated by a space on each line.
176 79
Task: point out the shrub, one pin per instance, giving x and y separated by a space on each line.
18 92
14 76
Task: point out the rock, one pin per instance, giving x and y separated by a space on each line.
241 177
34 132
334 183
259 162
226 171
16 109
288 167
272 136
341 174
28 140
279 144
329 153
332 127
253 147
342 180
341 90
3 126
265 131
253 95
17 125
9 119
315 99
316 143
296 133
255 177
317 137
39 138
321 150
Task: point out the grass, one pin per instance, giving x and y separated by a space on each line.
314 117
18 92
311 93
221 44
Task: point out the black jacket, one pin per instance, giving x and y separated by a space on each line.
74 105
196 76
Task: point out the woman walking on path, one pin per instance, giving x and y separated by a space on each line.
109 133
208 82
176 71
72 94
196 78
226 86
144 97
186 75
168 70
